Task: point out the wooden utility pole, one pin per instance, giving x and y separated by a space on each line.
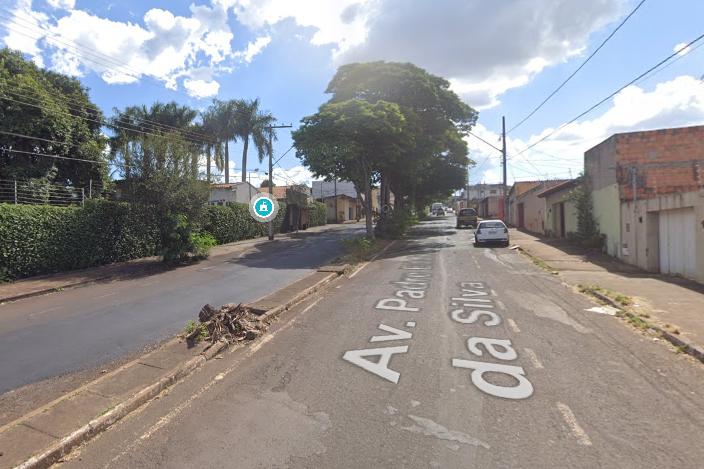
271 128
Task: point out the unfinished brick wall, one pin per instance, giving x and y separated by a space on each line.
666 161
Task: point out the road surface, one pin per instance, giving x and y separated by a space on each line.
440 354
46 336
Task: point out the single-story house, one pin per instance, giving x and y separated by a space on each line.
239 192
648 196
561 212
348 208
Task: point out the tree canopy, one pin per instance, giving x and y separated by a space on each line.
352 140
56 111
402 124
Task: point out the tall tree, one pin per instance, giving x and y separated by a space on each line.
153 151
353 140
250 122
56 111
434 114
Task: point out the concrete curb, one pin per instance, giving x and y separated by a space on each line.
45 291
673 339
64 446
274 312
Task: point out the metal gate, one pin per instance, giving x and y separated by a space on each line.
677 246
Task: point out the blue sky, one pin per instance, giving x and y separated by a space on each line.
501 57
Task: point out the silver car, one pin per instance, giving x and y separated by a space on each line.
491 231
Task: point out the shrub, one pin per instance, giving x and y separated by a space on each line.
393 225
318 214
359 249
233 222
201 243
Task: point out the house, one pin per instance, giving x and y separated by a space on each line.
530 208
240 192
560 211
348 208
648 196
491 207
323 189
516 214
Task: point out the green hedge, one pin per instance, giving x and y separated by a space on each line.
40 239
318 214
43 239
233 222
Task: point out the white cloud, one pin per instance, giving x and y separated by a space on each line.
675 103
483 49
165 46
201 88
681 49
253 49
338 22
62 4
22 32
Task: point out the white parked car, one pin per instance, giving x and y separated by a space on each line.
491 231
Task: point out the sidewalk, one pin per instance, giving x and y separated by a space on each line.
668 300
145 266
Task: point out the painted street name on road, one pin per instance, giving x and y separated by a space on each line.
411 289
473 304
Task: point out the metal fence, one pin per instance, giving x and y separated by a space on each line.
31 192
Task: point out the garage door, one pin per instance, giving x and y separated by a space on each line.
677 248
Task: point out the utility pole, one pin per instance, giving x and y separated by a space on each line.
503 157
271 128
335 189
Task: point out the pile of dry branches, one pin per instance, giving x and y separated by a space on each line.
231 323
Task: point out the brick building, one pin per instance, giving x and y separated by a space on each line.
648 194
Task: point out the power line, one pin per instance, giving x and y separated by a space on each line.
114 122
479 138
665 60
277 161
109 163
53 156
102 122
578 68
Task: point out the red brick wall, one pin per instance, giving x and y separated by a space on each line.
667 161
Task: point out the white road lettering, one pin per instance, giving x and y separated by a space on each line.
395 305
522 390
413 287
380 368
396 334
490 345
459 316
414 294
469 312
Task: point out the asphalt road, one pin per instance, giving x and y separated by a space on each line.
358 378
50 335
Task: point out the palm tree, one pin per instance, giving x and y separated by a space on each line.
218 119
252 122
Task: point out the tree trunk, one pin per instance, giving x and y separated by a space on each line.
227 162
368 206
207 169
244 158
